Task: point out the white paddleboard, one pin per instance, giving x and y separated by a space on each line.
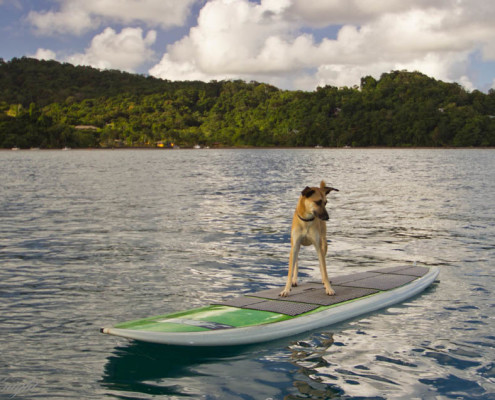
263 316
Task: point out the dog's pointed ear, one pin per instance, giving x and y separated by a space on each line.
329 189
307 192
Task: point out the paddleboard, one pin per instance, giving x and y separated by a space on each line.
264 316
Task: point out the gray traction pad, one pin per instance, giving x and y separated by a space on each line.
242 302
413 271
283 307
310 296
274 293
341 280
342 294
382 282
315 294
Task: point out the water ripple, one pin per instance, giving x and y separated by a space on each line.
90 238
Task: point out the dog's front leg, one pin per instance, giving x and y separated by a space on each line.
294 275
294 252
323 271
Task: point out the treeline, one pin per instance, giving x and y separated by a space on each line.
51 105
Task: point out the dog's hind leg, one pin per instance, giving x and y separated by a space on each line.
321 250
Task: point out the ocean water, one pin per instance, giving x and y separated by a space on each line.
92 238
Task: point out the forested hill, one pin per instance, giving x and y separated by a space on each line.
51 105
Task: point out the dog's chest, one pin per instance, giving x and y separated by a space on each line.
308 235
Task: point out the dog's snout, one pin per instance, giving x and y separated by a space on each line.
324 215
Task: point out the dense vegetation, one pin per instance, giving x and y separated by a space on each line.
50 105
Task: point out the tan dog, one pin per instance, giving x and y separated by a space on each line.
309 227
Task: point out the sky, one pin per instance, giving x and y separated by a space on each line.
291 44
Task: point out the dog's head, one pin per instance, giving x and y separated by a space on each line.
315 200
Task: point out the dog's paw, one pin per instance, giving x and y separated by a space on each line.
284 293
294 283
330 291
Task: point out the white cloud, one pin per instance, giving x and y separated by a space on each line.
77 17
488 51
275 40
227 41
44 54
183 70
320 13
126 50
74 21
269 41
466 83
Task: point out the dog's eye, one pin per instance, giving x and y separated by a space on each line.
319 203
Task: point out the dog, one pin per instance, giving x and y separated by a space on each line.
309 227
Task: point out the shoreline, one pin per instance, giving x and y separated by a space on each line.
249 148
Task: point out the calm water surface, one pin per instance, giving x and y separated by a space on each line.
92 238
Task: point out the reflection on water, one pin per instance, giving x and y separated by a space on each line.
91 238
154 369
245 371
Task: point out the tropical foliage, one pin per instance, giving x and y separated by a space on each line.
50 105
